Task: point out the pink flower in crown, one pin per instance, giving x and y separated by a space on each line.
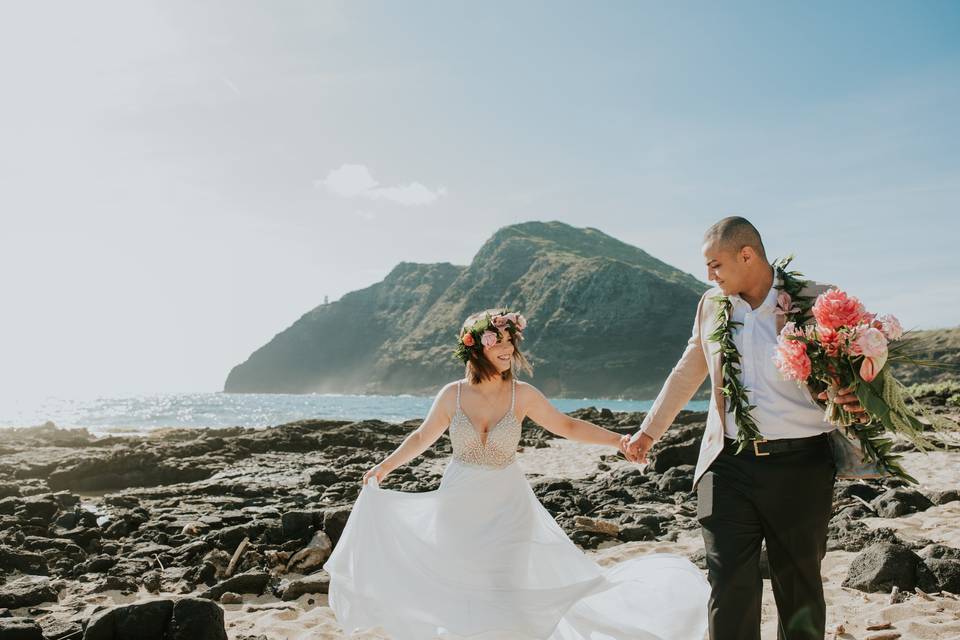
835 309
890 327
500 322
792 359
785 304
488 339
521 322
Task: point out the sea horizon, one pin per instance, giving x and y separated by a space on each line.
141 413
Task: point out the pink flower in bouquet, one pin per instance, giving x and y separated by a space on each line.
870 367
785 304
890 327
500 322
872 343
468 339
792 359
488 339
829 341
835 309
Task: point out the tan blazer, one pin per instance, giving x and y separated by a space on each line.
699 359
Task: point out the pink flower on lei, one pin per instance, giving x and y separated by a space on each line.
791 358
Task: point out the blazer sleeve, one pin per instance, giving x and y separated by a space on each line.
684 380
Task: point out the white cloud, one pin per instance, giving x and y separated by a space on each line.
356 181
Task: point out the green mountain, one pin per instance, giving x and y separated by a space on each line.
606 319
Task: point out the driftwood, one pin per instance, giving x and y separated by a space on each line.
883 635
923 594
236 556
595 524
880 626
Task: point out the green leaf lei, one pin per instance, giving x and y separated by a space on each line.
733 389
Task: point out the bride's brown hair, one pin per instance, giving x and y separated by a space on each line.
478 367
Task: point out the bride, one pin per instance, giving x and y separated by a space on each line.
480 557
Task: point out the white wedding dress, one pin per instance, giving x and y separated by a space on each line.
481 558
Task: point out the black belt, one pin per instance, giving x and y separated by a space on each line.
761 448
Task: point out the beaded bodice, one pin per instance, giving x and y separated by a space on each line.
500 447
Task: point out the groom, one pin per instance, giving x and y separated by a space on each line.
780 487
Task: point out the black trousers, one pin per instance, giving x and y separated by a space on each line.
786 500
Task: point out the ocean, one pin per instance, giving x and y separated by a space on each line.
139 414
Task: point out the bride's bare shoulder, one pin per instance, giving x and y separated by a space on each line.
527 392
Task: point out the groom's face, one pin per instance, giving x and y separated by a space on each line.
724 267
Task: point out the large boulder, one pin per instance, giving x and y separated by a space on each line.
20 629
141 621
196 619
885 565
894 503
183 619
26 591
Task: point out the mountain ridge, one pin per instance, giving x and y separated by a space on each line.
607 319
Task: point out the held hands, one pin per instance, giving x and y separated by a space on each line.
636 447
377 471
848 400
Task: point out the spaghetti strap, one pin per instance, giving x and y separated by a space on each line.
513 395
458 395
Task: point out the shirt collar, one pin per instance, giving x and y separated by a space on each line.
769 302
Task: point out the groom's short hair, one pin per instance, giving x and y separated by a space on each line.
734 233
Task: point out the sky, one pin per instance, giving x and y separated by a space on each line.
181 181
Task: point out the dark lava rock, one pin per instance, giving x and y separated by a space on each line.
322 476
946 571
334 520
314 583
20 629
252 582
940 551
297 525
943 497
26 592
679 478
900 502
196 619
634 532
884 565
23 561
859 489
666 456
141 621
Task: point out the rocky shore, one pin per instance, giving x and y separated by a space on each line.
180 526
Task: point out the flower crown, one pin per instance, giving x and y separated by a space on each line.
486 332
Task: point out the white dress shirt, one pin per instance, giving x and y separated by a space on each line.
783 408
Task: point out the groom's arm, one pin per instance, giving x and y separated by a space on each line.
682 383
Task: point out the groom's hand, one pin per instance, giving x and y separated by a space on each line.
638 446
848 399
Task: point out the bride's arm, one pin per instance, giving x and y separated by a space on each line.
539 409
423 436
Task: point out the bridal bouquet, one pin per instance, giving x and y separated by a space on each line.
847 347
